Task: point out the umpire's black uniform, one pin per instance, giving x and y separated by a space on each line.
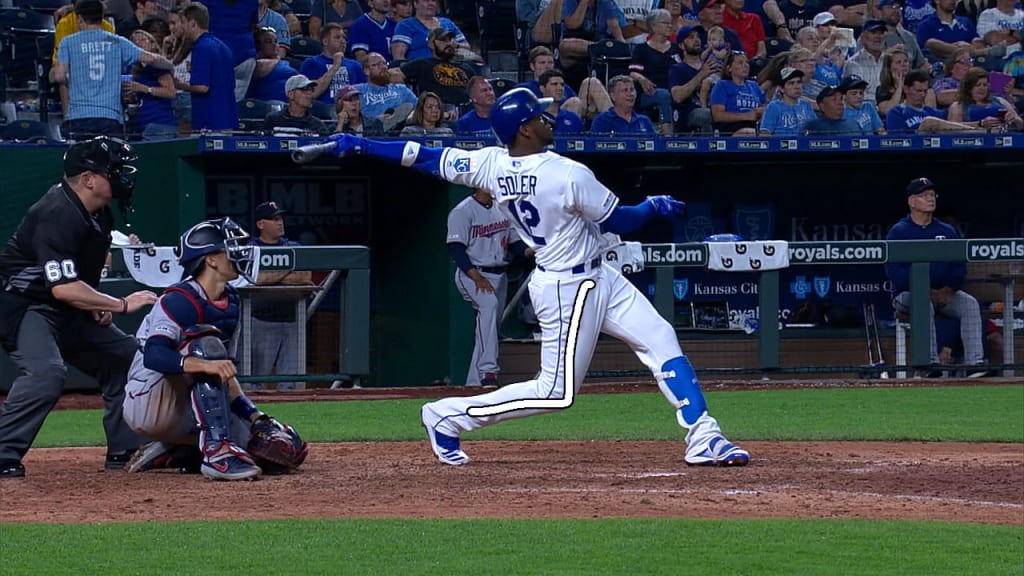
58 242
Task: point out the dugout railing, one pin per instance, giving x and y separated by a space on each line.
665 258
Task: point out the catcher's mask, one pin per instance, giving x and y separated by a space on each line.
212 236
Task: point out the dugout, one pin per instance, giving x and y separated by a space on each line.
421 331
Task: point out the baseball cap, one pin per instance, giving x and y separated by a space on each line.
883 3
823 18
852 82
788 74
706 4
297 82
439 33
826 92
268 210
874 25
346 92
918 185
687 30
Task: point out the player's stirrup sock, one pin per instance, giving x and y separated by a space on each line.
210 409
678 382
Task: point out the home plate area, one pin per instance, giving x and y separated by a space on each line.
880 480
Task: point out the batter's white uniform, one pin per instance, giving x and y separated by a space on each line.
556 205
486 233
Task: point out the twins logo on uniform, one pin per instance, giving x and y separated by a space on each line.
680 288
488 230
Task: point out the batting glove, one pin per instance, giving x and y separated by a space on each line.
667 206
346 144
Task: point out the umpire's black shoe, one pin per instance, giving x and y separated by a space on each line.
118 460
11 469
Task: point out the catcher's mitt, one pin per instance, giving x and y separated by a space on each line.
276 447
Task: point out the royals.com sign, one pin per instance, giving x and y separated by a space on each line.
988 250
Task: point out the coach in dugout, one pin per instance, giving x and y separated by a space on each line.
51 310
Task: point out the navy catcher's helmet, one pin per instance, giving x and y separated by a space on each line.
212 236
110 157
515 108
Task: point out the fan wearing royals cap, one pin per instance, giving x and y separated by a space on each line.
560 210
275 336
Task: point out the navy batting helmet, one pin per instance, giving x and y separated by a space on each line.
212 236
515 108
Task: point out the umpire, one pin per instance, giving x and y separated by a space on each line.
50 309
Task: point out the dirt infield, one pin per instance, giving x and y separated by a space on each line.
982 483
923 481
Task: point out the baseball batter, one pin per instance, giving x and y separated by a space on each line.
559 209
181 391
479 237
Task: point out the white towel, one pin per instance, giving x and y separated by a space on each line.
748 256
153 266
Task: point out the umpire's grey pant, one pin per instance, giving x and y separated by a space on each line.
46 338
963 306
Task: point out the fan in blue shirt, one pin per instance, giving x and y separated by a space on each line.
865 114
913 115
372 32
481 96
832 121
620 118
330 69
410 39
786 117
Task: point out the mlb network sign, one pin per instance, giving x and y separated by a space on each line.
988 250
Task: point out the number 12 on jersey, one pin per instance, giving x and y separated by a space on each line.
528 217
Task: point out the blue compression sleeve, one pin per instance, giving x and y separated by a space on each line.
159 355
407 153
625 219
457 251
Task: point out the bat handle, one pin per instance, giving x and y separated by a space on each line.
308 153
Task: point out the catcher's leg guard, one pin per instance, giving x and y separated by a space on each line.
678 382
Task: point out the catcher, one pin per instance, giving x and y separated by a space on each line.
182 392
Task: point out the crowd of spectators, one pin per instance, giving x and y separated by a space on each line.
728 67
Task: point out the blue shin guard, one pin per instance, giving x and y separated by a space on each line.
212 412
678 382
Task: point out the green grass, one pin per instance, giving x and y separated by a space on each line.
968 414
506 547
568 547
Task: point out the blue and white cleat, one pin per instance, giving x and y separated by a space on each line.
445 447
720 452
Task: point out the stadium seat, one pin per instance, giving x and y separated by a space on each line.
48 91
501 85
303 46
301 8
778 46
20 28
252 113
609 58
47 6
27 131
496 20
323 111
988 63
